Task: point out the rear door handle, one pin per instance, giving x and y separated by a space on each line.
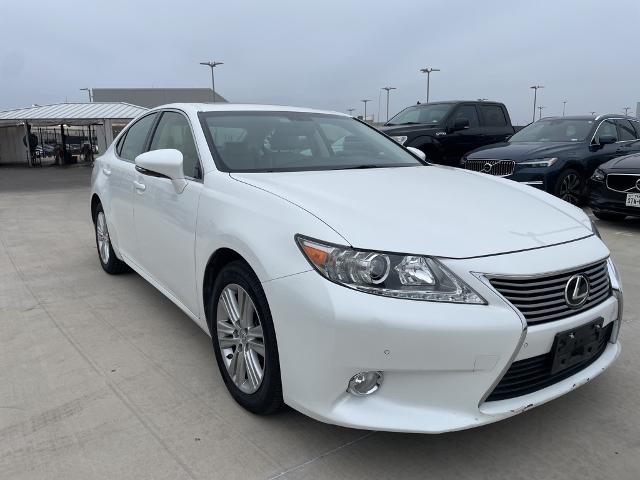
139 186
106 170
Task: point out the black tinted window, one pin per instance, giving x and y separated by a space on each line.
468 112
133 144
493 116
625 130
607 128
173 131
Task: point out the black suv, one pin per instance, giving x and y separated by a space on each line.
558 154
445 131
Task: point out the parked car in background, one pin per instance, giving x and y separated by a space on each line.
445 131
296 239
614 189
558 154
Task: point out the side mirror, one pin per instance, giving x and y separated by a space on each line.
418 153
165 163
460 124
606 139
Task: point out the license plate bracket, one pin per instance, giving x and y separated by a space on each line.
576 345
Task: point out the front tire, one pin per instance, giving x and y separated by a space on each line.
569 187
110 263
609 217
244 339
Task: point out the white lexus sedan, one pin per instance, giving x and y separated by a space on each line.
339 273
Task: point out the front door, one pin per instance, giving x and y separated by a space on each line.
120 171
165 219
458 142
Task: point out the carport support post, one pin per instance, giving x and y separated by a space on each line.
63 140
28 142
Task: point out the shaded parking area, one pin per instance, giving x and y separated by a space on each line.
103 377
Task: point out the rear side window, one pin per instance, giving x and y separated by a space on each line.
636 126
469 112
625 130
493 116
136 136
173 131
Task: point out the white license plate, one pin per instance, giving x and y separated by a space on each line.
633 200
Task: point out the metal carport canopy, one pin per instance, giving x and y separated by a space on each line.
71 114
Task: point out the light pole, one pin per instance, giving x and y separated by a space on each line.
540 109
88 90
564 104
350 110
365 100
388 89
212 65
592 113
535 99
428 71
626 110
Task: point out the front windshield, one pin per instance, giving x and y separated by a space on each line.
297 141
428 113
555 130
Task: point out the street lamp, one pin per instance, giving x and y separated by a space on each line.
428 71
212 65
365 100
564 104
350 110
88 90
540 109
626 110
592 113
535 98
388 89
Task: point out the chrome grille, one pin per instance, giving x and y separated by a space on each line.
623 182
499 168
541 299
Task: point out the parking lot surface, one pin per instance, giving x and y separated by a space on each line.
102 377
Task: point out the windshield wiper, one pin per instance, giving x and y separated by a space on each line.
364 166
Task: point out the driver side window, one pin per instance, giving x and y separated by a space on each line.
606 128
173 131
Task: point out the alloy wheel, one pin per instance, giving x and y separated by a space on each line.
240 338
570 188
102 235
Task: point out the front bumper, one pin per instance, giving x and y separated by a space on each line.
440 361
604 200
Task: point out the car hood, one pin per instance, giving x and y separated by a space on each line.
629 162
521 151
429 210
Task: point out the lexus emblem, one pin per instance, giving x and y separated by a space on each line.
487 167
638 184
576 291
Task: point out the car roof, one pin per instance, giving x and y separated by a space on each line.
195 108
590 117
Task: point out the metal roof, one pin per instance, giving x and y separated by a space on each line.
71 113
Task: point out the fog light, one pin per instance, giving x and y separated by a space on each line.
364 383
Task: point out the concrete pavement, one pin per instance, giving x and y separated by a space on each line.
102 377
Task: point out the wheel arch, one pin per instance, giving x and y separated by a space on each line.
218 259
95 201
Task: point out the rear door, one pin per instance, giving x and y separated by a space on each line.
627 137
165 220
121 173
495 123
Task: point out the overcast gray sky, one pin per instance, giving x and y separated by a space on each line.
330 53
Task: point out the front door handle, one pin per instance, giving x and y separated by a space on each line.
106 170
139 186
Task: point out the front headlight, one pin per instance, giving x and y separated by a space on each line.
413 277
614 276
598 175
400 139
540 162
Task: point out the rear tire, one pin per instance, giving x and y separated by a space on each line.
609 217
244 342
110 263
570 187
